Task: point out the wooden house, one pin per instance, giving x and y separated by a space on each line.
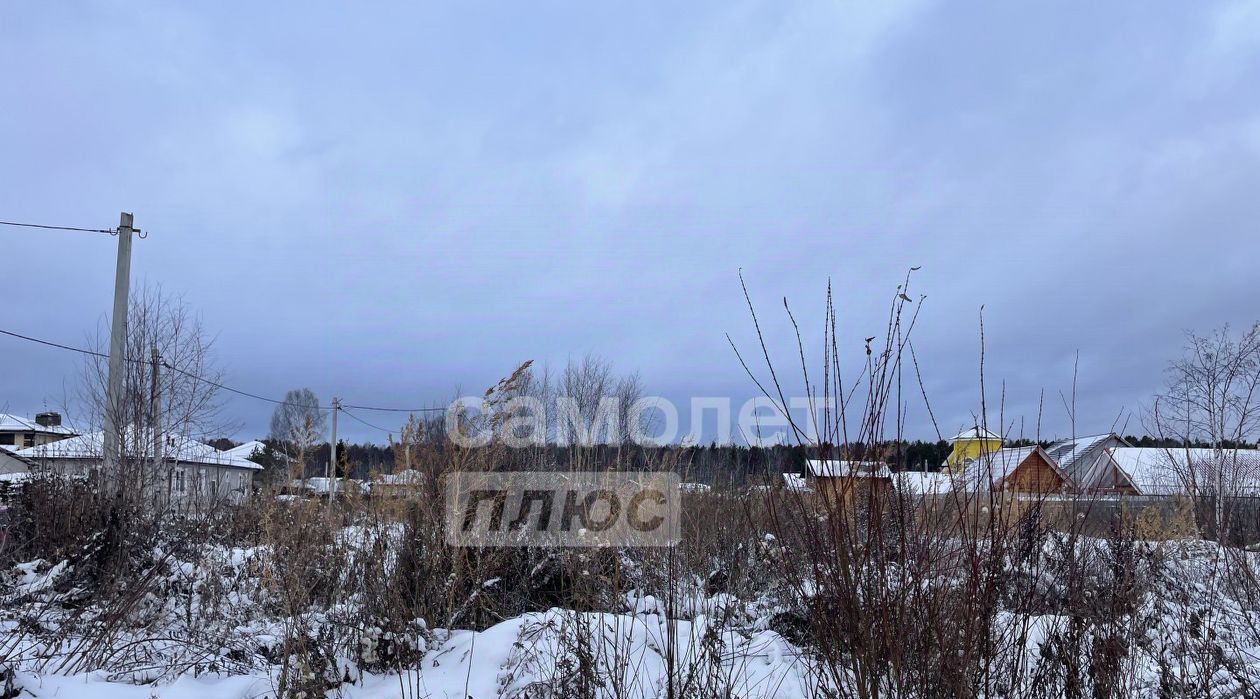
850 482
1075 466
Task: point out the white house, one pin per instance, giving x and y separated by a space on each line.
17 432
191 474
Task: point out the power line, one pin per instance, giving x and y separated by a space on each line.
59 228
356 418
237 391
393 410
216 384
165 365
54 344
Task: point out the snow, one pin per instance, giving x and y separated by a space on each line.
322 485
1160 471
181 645
1084 459
795 482
404 477
246 450
832 468
975 434
923 482
175 447
988 471
509 658
14 423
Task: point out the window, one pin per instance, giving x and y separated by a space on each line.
6 438
179 481
240 482
28 439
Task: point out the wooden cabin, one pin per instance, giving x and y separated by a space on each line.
855 483
1075 466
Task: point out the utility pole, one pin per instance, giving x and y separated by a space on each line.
332 453
117 345
155 414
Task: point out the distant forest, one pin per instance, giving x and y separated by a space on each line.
721 465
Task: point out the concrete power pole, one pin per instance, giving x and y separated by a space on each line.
155 420
117 345
332 453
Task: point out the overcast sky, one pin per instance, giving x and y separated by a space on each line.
395 204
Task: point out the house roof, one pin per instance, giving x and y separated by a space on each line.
174 448
246 450
12 462
923 482
1161 471
976 433
795 481
324 485
405 477
834 468
1085 460
991 469
17 423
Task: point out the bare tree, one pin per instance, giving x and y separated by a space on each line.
629 391
298 424
1211 397
298 421
170 386
586 396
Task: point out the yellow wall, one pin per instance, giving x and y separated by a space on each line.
970 449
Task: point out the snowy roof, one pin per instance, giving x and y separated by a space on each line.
174 448
923 482
992 468
833 468
16 423
246 450
1160 471
1084 459
406 477
12 461
795 481
977 433
323 485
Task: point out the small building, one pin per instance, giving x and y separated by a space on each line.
970 445
186 474
18 432
321 487
1076 466
405 483
1023 469
853 482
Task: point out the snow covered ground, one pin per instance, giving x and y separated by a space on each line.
206 625
514 659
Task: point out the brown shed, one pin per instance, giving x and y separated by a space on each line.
850 482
